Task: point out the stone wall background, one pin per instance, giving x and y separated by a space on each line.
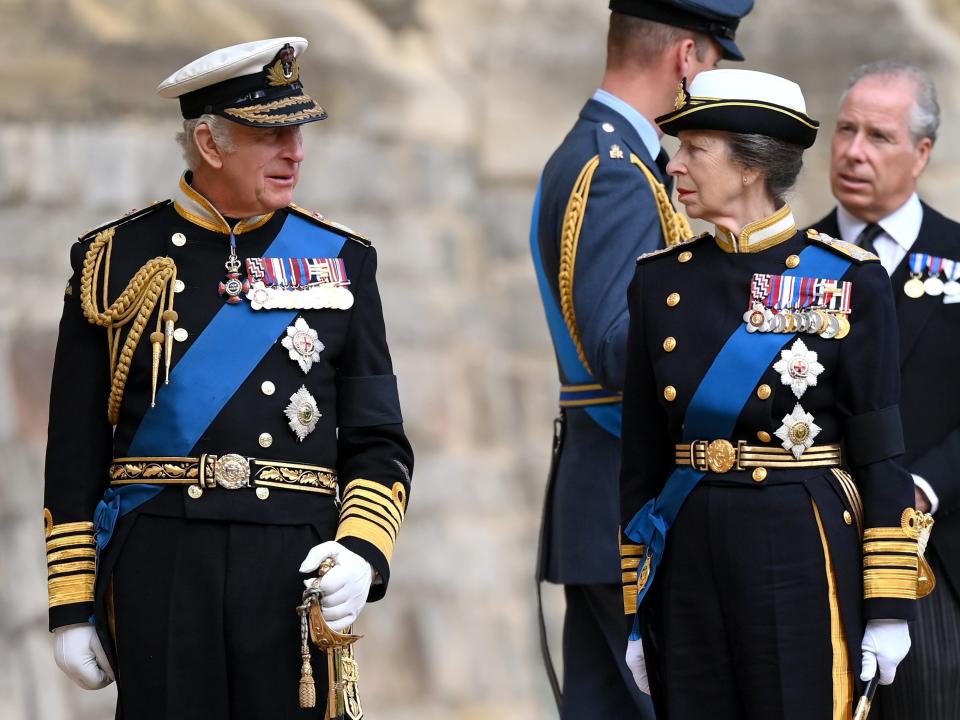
441 116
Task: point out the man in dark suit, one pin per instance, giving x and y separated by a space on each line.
885 132
603 200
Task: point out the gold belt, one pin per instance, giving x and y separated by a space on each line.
230 472
720 456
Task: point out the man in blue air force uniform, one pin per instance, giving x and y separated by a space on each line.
603 200
222 376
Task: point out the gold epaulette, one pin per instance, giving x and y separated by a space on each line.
125 218
671 248
841 247
333 225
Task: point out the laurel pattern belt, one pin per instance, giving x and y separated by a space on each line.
720 456
230 472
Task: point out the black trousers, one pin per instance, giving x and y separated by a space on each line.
927 684
206 622
746 620
596 680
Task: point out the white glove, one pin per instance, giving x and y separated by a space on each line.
637 665
885 643
78 652
344 588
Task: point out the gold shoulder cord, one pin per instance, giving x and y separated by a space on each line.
152 284
569 240
675 227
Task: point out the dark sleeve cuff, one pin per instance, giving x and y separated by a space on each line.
71 614
874 436
889 609
370 553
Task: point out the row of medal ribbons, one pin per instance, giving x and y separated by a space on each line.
917 287
790 304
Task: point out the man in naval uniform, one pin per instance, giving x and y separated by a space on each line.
604 199
885 132
224 418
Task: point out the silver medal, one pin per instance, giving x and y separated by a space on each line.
832 328
933 286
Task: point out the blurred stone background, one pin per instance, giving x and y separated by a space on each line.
441 116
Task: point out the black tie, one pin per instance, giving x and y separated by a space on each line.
867 236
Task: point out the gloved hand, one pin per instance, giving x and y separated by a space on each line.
638 665
885 644
344 588
78 652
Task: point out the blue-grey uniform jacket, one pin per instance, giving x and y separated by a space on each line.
596 211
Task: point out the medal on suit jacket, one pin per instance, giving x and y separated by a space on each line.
951 271
913 288
933 285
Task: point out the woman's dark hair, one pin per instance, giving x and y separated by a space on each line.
778 161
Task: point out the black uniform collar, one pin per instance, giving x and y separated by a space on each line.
759 235
194 207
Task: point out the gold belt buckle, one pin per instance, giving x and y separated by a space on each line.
721 456
232 471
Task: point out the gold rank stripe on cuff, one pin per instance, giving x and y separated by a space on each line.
631 555
889 583
71 563
372 512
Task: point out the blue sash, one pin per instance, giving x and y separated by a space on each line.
220 359
713 411
609 416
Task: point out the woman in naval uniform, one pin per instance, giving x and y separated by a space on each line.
761 429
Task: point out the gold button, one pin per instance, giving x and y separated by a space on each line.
847 517
759 474
263 493
763 436
195 491
178 286
763 392
685 256
673 299
268 387
178 239
670 393
670 344
792 261
266 440
180 334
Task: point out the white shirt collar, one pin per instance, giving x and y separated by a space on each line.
902 225
645 129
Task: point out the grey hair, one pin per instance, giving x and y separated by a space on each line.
778 161
924 119
220 128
